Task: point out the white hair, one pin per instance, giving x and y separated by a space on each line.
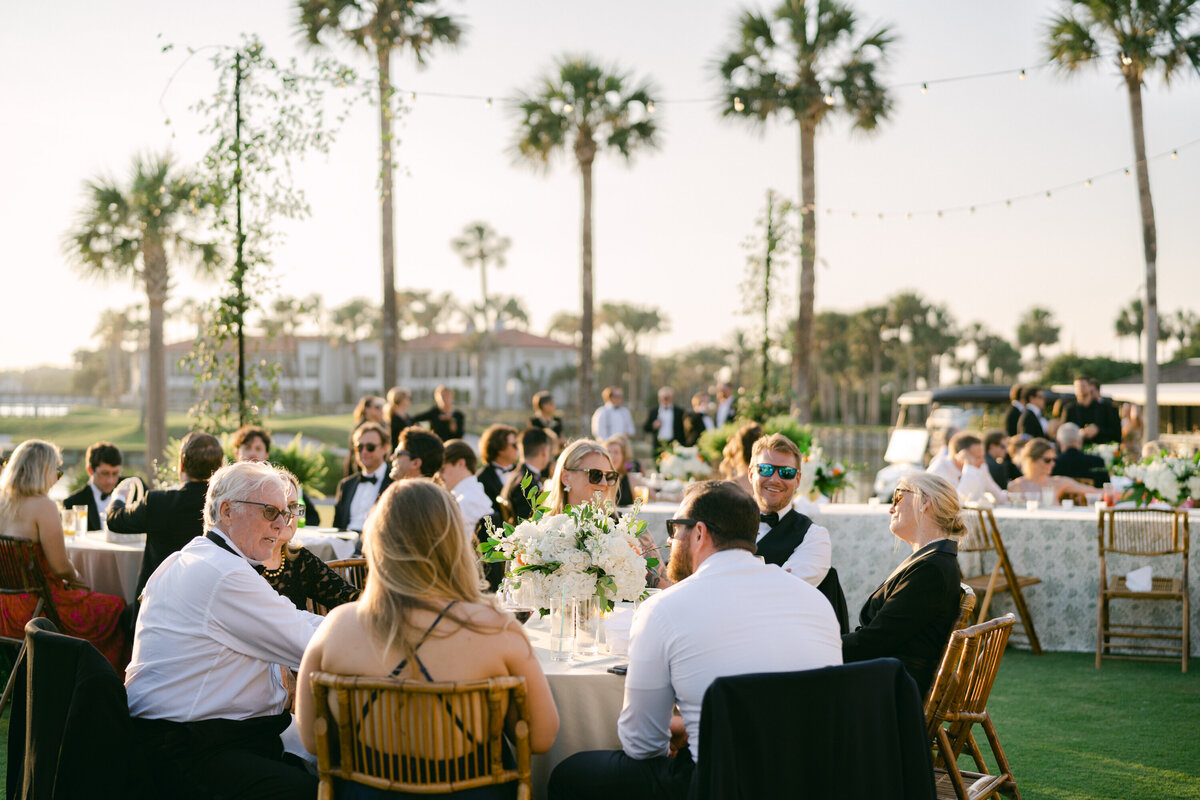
1069 436
238 481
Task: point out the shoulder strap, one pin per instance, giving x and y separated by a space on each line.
400 667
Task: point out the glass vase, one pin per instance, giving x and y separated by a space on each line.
587 626
562 628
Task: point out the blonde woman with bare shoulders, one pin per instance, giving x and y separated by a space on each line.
27 512
423 617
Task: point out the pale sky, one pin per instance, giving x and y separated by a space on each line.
81 82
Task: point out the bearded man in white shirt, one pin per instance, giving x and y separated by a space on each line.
728 614
205 684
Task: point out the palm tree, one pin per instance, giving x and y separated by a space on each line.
585 107
139 230
477 246
629 324
564 326
380 27
1038 329
1131 321
1140 37
807 67
112 329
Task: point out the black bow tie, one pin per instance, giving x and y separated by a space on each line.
771 519
506 469
368 479
104 496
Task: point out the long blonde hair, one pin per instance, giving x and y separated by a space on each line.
570 459
25 474
416 549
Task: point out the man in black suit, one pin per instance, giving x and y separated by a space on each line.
535 458
786 538
1073 462
1033 418
419 454
444 419
357 493
696 421
664 423
103 462
995 449
498 446
1098 420
543 414
726 409
170 518
1013 417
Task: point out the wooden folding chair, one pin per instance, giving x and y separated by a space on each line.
1144 533
982 536
352 570
957 702
414 736
20 574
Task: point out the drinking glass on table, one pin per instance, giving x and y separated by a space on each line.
81 520
513 599
68 521
641 493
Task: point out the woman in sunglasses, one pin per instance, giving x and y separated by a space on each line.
584 472
27 512
295 572
910 616
1037 462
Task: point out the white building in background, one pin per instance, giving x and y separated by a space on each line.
317 374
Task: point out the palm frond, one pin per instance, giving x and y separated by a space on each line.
1071 44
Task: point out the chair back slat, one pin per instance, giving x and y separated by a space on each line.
353 570
1144 531
983 647
415 736
966 607
978 537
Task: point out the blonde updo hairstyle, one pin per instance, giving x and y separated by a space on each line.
1034 450
28 473
570 459
418 557
942 499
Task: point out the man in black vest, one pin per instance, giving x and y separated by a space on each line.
787 538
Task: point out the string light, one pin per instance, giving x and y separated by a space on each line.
1022 76
829 99
1049 196
972 211
924 88
650 107
568 108
488 103
1087 184
738 105
1008 203
412 95
1127 172
1174 155
1126 59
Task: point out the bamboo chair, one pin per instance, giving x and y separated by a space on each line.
352 570
507 514
966 609
20 574
1145 533
982 536
958 702
420 737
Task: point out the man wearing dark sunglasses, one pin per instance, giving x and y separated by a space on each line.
787 538
729 614
357 493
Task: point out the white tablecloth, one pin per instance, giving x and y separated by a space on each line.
113 568
588 699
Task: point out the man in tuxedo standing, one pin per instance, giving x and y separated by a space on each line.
1099 421
103 462
535 458
444 419
665 421
995 451
357 493
696 421
543 414
1033 418
1015 410
613 417
726 406
498 447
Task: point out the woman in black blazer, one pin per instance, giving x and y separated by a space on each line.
910 616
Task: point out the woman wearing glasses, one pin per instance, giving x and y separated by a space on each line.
584 473
295 572
27 512
1037 462
910 616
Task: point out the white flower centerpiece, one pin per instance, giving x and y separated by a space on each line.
683 464
1173 480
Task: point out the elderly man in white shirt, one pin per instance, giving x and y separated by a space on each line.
458 476
205 684
612 417
728 614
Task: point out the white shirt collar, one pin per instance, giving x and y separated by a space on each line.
233 546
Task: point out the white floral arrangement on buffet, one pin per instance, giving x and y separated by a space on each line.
683 464
1171 479
584 551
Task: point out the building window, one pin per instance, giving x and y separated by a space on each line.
312 366
369 366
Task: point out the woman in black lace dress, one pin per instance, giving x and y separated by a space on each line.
299 575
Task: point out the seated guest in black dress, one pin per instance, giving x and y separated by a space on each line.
296 572
911 614
422 617
543 414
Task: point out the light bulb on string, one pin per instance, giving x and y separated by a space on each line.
924 88
650 107
972 211
1127 172
1048 195
939 214
829 99
1022 75
879 217
488 103
1174 155
1126 59
1087 184
908 216
738 105
853 215
1008 203
568 108
412 95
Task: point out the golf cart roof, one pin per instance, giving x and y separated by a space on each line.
993 393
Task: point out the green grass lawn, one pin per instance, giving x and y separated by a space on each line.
1071 731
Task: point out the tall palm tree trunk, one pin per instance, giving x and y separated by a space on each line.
802 355
387 217
1150 249
156 371
873 397
586 320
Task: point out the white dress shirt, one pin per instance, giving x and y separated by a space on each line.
609 420
474 503
209 638
723 409
974 484
101 505
812 559
365 495
734 615
946 468
666 419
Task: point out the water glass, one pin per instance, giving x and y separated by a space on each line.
562 628
1047 498
641 493
81 520
587 626
68 521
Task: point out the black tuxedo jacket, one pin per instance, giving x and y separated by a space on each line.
910 615
693 427
1102 414
677 434
1011 420
998 471
345 494
446 429
515 495
1029 423
492 483
1074 463
86 497
779 544
170 519
397 424
555 424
